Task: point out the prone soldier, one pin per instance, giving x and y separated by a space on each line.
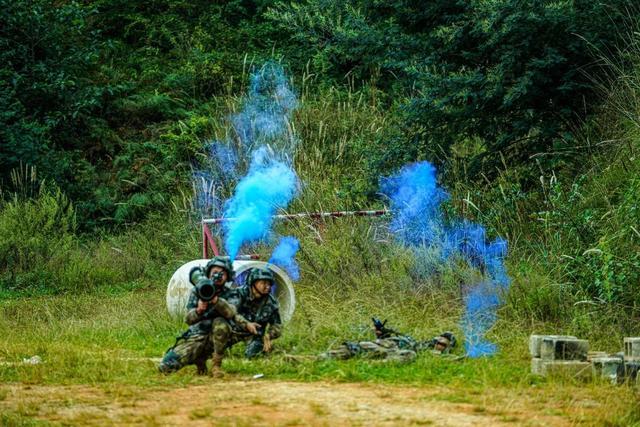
390 345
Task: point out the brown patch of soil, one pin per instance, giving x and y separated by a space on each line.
261 402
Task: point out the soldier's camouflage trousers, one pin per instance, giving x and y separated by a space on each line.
370 350
196 349
224 336
188 350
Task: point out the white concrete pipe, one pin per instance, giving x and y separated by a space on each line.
180 287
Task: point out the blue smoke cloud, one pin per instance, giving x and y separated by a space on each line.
204 190
219 172
415 201
264 136
469 242
481 305
418 222
270 185
284 256
263 121
225 156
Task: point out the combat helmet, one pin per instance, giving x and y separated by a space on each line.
260 274
220 261
446 341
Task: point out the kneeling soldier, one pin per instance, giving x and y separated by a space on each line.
206 304
254 303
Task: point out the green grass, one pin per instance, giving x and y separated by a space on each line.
100 338
103 340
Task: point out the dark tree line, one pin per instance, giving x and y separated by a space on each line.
90 89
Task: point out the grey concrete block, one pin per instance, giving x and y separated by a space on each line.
574 369
632 372
569 369
564 349
632 348
608 368
537 367
596 355
535 342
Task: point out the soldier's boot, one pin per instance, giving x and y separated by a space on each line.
201 366
216 366
255 348
170 362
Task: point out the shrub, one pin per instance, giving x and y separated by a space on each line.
35 233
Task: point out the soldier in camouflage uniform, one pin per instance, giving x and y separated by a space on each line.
390 345
256 304
198 342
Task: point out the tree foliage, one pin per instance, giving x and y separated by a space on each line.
92 94
113 99
515 75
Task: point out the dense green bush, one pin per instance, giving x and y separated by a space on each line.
508 75
46 100
91 89
36 232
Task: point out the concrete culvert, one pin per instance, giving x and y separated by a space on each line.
179 286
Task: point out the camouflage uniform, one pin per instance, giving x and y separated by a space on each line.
197 344
264 311
399 348
391 346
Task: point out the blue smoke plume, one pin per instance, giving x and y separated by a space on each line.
418 222
469 242
284 256
264 136
270 185
481 305
263 121
415 201
219 172
225 156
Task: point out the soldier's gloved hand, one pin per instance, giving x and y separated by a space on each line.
252 327
266 343
202 306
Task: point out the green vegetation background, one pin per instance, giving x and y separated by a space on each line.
529 109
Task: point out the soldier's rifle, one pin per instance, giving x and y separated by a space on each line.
381 330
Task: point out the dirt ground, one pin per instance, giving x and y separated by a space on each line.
264 402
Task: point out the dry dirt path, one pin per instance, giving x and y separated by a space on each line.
265 402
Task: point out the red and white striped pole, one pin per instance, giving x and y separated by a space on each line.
316 215
209 242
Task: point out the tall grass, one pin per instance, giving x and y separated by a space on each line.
573 248
41 251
